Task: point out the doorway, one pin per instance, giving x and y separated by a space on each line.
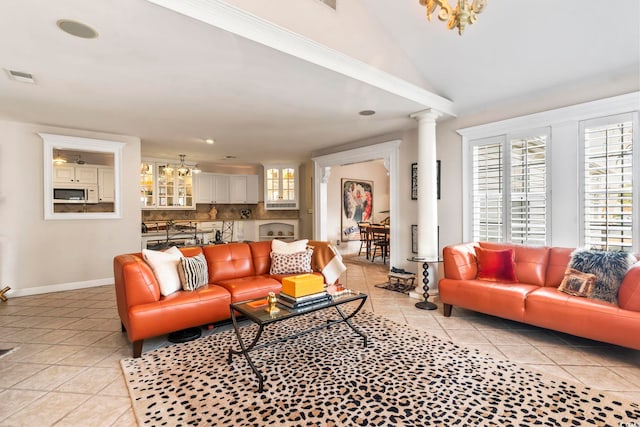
387 151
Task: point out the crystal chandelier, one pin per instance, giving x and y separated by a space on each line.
465 13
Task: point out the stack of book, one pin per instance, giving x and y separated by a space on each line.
303 301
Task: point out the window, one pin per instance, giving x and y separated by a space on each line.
528 204
510 189
487 192
607 183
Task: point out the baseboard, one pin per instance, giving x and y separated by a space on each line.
59 287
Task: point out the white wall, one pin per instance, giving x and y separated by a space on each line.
43 256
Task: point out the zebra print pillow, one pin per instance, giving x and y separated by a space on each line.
193 272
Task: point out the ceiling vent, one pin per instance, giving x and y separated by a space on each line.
21 76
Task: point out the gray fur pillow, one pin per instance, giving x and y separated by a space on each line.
609 268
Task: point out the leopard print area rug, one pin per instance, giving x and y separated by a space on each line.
327 378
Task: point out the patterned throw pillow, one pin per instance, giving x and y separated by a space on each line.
299 262
193 272
609 267
577 283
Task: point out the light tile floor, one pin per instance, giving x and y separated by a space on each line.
65 370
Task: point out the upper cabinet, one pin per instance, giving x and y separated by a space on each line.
162 186
280 186
222 189
78 174
106 187
212 188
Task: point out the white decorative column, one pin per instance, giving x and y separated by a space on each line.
427 190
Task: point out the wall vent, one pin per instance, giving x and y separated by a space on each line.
280 205
21 76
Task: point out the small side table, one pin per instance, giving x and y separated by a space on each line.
426 304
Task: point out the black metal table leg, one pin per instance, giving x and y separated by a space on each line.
245 349
347 320
426 304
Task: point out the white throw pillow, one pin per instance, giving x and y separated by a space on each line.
165 267
280 247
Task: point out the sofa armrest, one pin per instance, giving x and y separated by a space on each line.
135 283
629 293
460 261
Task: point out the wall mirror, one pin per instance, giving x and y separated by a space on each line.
82 177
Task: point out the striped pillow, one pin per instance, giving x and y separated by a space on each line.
193 272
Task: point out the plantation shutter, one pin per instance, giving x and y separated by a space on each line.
488 192
608 190
528 192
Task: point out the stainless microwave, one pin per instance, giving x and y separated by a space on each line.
70 193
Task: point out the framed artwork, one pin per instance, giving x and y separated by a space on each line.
357 206
414 180
414 239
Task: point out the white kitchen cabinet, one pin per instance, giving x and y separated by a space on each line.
252 189
162 186
212 188
106 185
77 174
222 189
237 189
220 184
280 186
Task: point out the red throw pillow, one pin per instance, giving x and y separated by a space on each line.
496 265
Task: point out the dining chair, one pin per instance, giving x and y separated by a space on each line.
365 238
379 242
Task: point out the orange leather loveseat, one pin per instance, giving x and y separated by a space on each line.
237 272
534 297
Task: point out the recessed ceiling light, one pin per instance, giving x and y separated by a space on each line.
209 141
21 76
367 112
77 29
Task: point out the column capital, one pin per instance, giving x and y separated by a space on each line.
428 114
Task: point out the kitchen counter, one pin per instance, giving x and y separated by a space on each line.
191 232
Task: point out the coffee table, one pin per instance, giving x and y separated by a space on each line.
257 313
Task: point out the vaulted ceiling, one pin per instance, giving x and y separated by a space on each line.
265 93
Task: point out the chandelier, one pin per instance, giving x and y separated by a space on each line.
466 12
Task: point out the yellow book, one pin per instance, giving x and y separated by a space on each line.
302 285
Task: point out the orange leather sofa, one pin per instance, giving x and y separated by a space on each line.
535 299
237 272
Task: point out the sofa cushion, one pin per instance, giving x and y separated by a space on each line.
295 263
228 261
165 268
577 283
609 267
585 317
557 266
246 288
193 272
496 265
629 293
261 253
